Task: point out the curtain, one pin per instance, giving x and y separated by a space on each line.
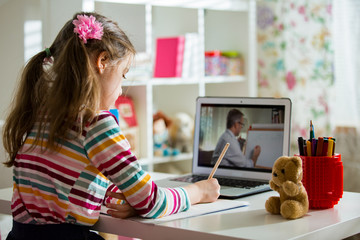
296 60
346 95
347 64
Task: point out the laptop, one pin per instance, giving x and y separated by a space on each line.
266 123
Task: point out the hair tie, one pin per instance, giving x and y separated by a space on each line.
48 53
48 60
88 28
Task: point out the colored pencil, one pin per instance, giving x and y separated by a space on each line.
219 160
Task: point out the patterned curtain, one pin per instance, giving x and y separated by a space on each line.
295 60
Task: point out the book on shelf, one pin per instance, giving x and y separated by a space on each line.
191 62
141 67
169 56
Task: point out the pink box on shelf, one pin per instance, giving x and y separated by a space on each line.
169 56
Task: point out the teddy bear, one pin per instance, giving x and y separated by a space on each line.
286 180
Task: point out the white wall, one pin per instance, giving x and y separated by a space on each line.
11 49
5 173
55 13
13 14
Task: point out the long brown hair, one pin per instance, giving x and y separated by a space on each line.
56 97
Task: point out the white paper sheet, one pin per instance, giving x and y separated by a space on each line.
195 210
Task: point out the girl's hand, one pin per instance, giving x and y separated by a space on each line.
123 210
204 191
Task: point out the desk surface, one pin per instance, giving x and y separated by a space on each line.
251 222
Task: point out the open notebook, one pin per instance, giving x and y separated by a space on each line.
266 123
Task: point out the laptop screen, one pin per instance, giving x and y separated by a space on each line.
258 130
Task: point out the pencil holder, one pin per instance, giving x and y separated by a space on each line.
323 180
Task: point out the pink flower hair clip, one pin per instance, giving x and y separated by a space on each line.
88 28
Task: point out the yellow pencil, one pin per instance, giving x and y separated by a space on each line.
219 160
308 148
330 148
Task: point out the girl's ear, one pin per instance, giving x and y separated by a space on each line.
102 61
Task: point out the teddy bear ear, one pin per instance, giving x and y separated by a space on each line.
297 161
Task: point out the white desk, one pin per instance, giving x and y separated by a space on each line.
251 222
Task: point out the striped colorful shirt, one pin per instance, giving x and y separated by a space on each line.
69 185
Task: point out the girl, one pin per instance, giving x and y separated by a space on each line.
68 152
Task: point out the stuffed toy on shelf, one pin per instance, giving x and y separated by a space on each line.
286 180
181 132
161 124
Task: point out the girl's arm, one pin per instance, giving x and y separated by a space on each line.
110 152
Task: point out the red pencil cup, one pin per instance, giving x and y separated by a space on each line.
323 180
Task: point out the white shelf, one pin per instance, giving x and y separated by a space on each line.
180 157
224 79
221 25
174 81
183 81
134 83
167 159
231 5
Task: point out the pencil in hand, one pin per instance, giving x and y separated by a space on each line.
219 160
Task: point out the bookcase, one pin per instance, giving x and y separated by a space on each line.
220 25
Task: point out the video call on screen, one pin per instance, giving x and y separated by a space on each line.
263 126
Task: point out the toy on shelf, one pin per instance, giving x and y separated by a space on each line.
128 122
286 180
181 132
161 124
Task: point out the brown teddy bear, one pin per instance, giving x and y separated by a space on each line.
286 180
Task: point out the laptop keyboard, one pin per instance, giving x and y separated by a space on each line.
240 183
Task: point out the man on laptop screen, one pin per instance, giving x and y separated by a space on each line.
257 137
234 155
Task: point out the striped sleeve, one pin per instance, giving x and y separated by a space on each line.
110 152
